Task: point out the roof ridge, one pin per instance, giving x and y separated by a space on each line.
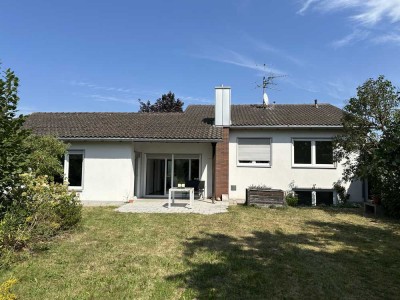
102 112
285 104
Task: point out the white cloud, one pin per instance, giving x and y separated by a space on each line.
368 12
263 46
355 36
94 86
234 58
98 87
102 98
393 37
306 85
305 6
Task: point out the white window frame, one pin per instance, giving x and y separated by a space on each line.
313 164
254 163
66 169
171 156
314 194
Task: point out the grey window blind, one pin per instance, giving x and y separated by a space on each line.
253 149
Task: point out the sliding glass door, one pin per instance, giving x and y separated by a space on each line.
155 177
166 171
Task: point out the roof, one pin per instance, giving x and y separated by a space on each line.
195 123
287 115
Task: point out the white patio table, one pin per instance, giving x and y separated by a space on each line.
171 195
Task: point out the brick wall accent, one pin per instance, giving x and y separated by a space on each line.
222 165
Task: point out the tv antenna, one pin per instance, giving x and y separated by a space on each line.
266 83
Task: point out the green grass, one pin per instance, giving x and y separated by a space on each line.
248 253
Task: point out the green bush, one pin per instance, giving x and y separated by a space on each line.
391 196
291 199
40 210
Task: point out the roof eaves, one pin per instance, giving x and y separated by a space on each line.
286 126
111 139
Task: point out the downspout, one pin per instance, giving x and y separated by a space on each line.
213 171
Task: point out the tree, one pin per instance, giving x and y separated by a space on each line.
32 207
367 143
166 103
13 155
21 152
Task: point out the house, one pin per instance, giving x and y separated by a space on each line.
117 156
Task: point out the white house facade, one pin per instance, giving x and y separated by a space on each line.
223 149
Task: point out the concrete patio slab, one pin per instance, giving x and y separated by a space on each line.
202 206
102 203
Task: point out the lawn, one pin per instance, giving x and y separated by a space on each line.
248 253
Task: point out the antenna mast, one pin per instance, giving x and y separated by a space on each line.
266 83
264 87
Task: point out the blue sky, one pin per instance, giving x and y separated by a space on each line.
104 55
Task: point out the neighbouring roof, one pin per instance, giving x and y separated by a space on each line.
195 123
286 115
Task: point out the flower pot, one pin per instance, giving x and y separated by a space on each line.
376 199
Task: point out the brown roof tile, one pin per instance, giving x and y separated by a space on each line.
286 115
193 124
196 123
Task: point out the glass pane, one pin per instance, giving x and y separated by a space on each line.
195 167
169 174
302 152
181 171
324 152
324 198
75 169
304 198
155 177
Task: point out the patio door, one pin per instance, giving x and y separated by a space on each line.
166 171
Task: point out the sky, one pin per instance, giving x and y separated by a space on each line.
105 55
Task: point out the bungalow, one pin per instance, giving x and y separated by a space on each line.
118 156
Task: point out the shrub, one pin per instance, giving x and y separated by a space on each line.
40 210
5 290
291 199
391 196
341 192
45 155
259 187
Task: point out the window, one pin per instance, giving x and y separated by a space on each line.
74 168
323 153
312 153
164 171
254 151
302 152
321 197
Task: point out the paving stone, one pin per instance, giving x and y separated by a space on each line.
205 207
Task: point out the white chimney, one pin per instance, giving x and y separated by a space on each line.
222 106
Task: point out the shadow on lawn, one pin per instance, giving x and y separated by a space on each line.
329 261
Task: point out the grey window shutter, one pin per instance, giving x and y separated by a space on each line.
254 149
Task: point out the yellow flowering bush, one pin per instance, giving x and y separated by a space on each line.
5 290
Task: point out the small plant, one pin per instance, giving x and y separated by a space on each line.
5 290
259 187
341 192
292 199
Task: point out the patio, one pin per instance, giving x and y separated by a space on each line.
200 206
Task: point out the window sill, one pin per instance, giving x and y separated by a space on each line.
75 188
314 167
253 165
